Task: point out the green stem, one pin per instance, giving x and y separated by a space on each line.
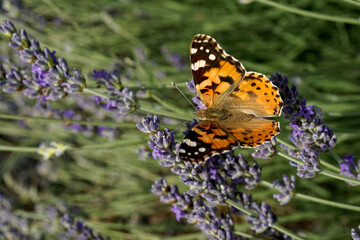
91 91
322 172
105 146
112 144
157 87
315 199
245 235
167 105
109 21
310 14
323 163
275 226
326 202
328 165
180 116
287 232
290 158
241 208
147 109
18 149
338 176
67 121
335 156
352 2
286 144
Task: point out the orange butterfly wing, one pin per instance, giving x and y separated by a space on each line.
255 95
204 140
253 132
214 71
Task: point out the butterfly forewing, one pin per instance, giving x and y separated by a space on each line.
214 71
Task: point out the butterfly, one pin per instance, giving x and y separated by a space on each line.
237 104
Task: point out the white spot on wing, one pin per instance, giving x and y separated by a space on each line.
207 50
193 50
212 57
202 149
195 66
193 144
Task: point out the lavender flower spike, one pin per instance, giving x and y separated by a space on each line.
47 77
309 133
264 220
286 190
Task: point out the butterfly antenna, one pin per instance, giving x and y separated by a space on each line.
183 94
179 126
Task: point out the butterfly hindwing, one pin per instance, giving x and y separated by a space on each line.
214 71
255 95
204 140
253 132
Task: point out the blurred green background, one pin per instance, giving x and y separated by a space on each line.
106 179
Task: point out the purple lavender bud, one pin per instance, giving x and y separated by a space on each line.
354 234
24 38
27 56
265 150
50 56
35 46
63 65
199 103
16 42
77 230
53 77
311 165
159 187
14 81
129 100
264 220
255 172
41 64
350 168
170 194
77 78
235 167
184 202
101 74
191 86
149 124
7 28
286 190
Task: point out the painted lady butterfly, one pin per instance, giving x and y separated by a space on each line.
236 103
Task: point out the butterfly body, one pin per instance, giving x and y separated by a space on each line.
214 114
236 103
